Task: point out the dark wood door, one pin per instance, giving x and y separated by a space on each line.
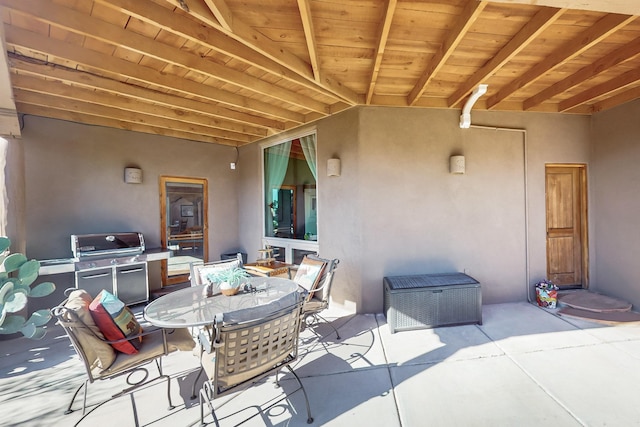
566 225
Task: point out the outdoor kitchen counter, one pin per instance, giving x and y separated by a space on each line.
157 254
68 265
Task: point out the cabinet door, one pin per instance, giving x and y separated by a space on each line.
132 283
95 280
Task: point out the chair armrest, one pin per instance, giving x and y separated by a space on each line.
327 280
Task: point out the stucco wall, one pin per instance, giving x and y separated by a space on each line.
75 184
14 181
396 209
616 156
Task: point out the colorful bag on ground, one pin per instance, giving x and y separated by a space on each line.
546 294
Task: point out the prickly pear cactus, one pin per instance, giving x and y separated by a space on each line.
17 275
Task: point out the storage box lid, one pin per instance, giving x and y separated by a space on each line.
429 280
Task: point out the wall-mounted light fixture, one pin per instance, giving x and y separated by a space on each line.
133 175
333 167
456 165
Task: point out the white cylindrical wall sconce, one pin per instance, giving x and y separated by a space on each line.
333 167
133 175
456 164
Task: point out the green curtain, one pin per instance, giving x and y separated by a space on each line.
276 163
308 144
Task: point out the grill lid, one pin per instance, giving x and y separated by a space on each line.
119 244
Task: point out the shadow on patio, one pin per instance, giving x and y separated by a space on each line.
523 366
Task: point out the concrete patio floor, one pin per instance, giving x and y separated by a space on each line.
524 366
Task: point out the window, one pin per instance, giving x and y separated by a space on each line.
291 206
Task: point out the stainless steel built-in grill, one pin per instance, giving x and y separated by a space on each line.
102 245
112 261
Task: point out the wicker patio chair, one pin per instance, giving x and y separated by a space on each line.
102 362
319 294
199 272
237 355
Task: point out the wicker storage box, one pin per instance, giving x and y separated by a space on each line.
431 300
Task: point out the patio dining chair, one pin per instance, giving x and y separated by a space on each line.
199 272
102 362
319 292
239 354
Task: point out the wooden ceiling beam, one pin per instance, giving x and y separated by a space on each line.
252 124
627 79
613 101
262 44
79 23
532 29
115 112
210 37
383 35
54 112
614 58
310 36
469 15
222 13
586 40
202 123
107 63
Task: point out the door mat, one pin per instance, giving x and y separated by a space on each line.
591 301
608 318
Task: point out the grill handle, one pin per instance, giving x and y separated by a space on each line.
133 270
96 276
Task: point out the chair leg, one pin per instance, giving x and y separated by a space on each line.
69 410
193 388
171 405
206 393
161 374
306 398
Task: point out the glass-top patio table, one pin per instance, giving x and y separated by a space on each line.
191 307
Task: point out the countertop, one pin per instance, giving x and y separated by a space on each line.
68 265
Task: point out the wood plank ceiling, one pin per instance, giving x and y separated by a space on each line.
235 71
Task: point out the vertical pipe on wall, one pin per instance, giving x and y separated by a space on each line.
526 195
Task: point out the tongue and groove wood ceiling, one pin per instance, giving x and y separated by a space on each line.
235 71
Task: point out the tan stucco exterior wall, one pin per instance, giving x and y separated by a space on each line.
616 156
16 204
75 184
396 209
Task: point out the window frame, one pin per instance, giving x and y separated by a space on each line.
289 245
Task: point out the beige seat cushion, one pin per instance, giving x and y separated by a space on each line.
152 347
99 354
314 304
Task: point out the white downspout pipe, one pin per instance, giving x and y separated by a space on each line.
465 117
